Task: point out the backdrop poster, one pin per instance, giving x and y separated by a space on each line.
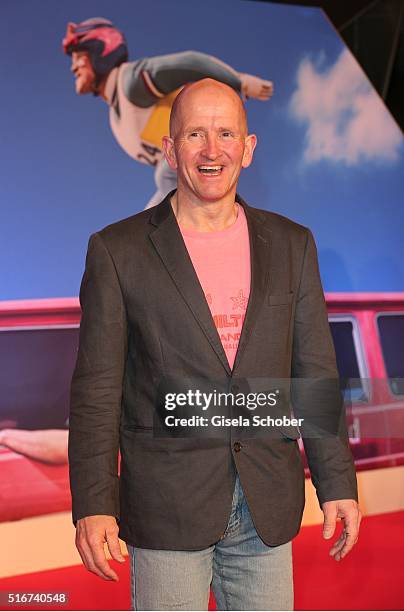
329 156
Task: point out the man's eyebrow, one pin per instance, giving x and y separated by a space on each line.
195 128
203 129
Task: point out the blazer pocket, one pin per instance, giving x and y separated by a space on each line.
277 299
137 429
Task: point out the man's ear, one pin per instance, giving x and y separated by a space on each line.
169 152
250 144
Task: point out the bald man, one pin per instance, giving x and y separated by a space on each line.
188 309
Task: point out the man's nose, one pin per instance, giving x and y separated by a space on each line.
212 149
77 63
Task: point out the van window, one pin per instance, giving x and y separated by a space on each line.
391 330
36 370
350 360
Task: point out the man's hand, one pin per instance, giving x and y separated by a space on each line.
348 511
91 534
255 87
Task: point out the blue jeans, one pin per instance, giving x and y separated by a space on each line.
245 573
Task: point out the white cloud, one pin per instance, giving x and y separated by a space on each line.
346 120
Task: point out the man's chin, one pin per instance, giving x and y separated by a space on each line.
205 191
212 193
83 88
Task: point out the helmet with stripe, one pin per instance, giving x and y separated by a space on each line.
105 44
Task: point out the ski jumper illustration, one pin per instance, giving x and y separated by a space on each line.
140 93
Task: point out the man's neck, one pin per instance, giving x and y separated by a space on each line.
204 216
107 86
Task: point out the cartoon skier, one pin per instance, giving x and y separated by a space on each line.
140 93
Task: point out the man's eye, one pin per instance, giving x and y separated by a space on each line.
227 134
194 134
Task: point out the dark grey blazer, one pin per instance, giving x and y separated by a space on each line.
144 318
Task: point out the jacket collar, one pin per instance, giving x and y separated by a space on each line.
168 242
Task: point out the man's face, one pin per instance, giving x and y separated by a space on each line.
83 72
210 144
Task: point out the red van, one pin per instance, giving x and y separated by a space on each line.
368 333
38 345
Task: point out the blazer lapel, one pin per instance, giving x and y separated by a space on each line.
260 253
169 244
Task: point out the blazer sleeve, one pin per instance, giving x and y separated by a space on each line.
96 388
317 398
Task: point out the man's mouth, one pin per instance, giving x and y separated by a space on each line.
210 170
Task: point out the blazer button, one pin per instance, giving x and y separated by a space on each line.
235 388
237 447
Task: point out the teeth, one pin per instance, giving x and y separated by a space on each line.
214 170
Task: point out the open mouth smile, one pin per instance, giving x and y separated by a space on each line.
210 170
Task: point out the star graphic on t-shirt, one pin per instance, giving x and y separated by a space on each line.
240 301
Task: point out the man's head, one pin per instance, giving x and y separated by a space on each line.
96 47
209 141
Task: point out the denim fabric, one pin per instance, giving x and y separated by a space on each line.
243 572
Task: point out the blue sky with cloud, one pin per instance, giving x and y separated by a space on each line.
346 121
329 154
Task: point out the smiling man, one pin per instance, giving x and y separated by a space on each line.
202 287
208 147
83 71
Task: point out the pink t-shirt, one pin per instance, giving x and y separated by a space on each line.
222 263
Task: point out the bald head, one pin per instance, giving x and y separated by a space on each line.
196 92
208 143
